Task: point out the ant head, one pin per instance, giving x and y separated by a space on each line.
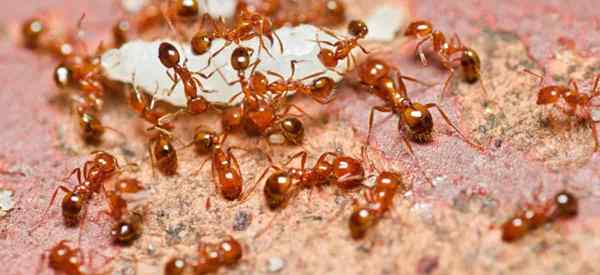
240 58
63 76
292 129
277 188
419 28
168 55
187 8
31 30
372 70
358 28
205 141
567 205
419 121
201 43
551 94
231 251
360 221
322 87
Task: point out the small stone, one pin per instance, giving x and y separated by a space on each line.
276 264
241 221
6 202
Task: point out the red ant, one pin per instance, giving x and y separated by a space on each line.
163 154
574 99
211 257
225 168
64 259
564 205
415 119
469 59
169 57
258 116
285 183
320 91
343 47
127 229
118 207
379 200
90 180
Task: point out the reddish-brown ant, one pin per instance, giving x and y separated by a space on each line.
282 185
127 230
163 154
469 59
320 90
169 57
64 259
32 31
379 200
118 206
225 168
564 205
211 257
573 98
415 119
343 47
90 180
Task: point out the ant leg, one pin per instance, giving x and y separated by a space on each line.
595 91
541 77
302 154
81 224
464 138
170 117
595 135
412 79
446 83
276 75
382 109
279 41
330 32
229 83
64 189
150 151
419 50
290 106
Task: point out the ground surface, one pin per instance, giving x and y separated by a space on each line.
448 229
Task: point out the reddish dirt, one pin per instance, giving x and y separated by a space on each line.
440 230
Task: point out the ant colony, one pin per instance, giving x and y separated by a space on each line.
242 62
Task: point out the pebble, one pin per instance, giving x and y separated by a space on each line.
276 264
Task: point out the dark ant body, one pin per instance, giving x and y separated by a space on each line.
343 47
573 98
415 119
127 229
469 59
564 206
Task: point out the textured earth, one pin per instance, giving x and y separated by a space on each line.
450 228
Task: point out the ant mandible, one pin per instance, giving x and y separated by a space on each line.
564 206
469 59
343 47
573 97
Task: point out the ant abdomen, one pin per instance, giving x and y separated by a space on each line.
361 220
293 130
168 55
471 65
348 172
277 189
